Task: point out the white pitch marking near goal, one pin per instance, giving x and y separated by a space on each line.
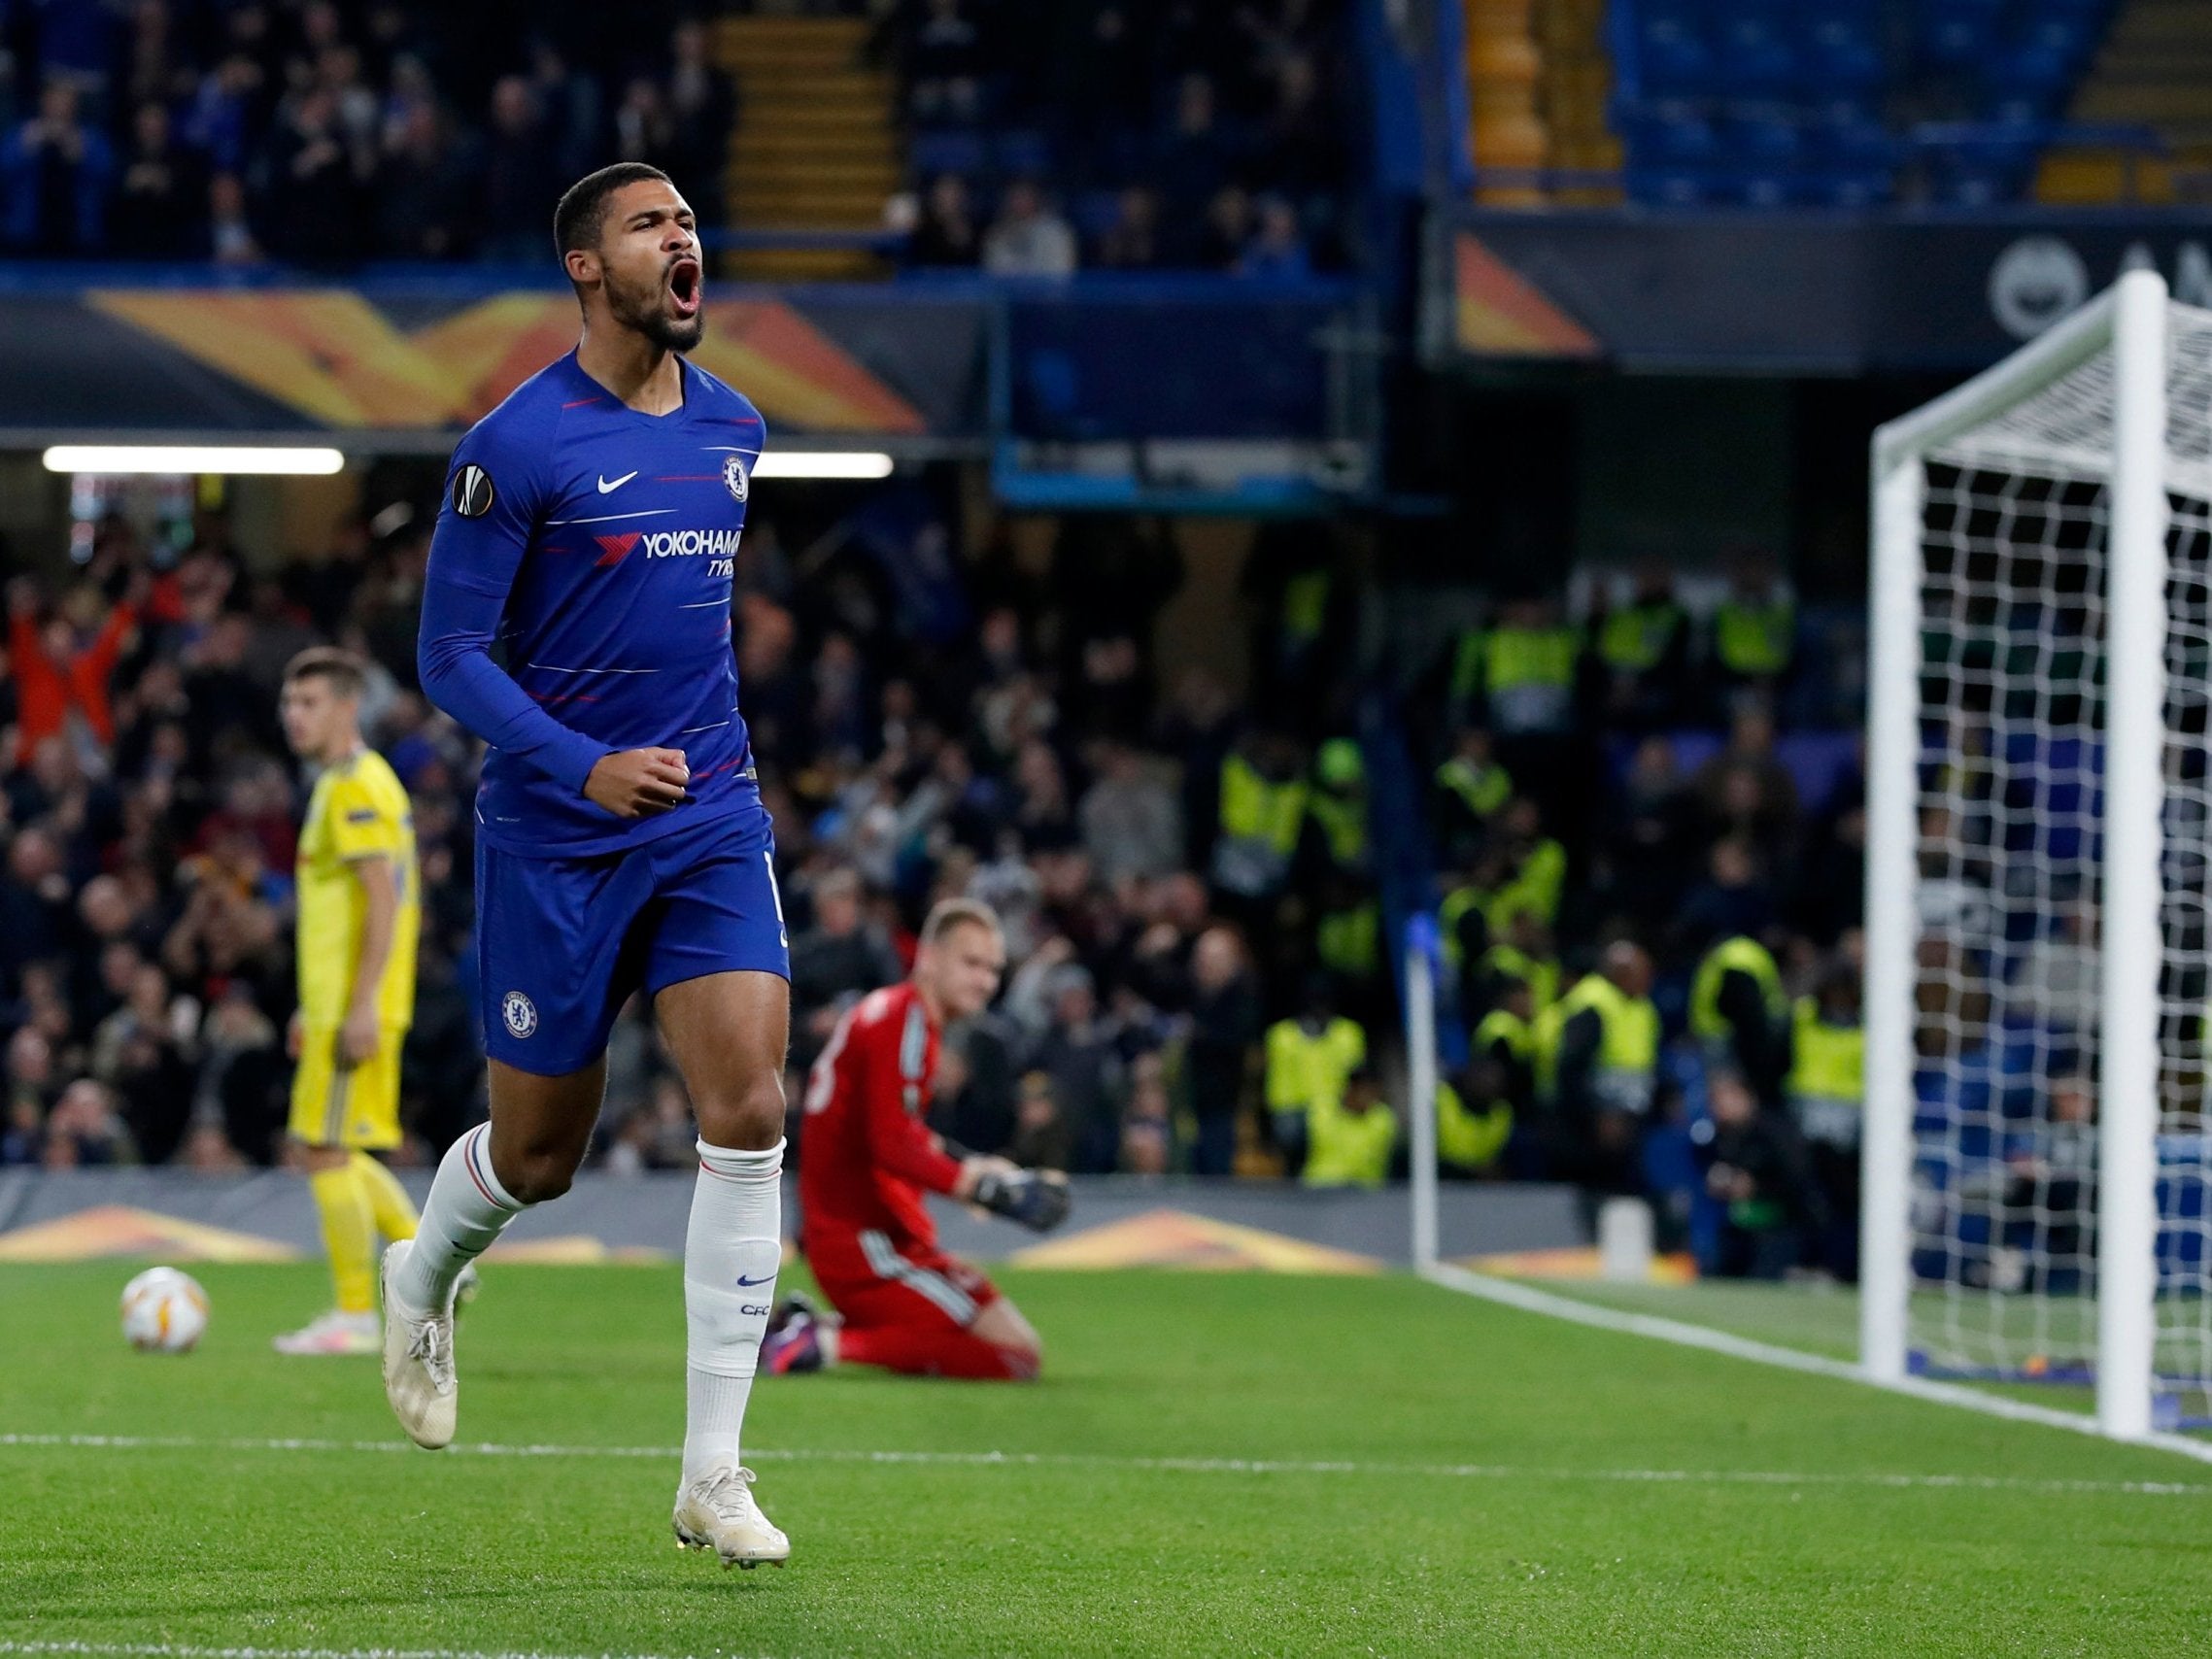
1686 1335
1893 1482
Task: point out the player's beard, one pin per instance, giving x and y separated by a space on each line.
645 309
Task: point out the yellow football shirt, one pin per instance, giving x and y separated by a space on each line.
358 810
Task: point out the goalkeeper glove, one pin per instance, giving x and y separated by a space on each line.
1037 1200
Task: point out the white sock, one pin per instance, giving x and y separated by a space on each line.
467 1210
732 1251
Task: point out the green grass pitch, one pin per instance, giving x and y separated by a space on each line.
1212 1465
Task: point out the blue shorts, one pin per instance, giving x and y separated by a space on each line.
562 944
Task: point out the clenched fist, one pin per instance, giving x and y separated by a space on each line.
639 782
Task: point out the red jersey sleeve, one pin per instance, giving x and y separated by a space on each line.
897 1066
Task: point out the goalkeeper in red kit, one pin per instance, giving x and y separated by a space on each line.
867 1157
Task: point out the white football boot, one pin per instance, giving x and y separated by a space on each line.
334 1333
716 1511
417 1363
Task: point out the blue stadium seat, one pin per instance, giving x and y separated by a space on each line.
933 152
1957 34
1842 55
1757 57
1094 211
1673 186
1670 133
1676 59
1020 151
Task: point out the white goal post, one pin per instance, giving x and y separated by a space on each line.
2039 829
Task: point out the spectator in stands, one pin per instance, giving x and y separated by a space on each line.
1755 631
1747 790
55 169
160 206
944 64
519 176
840 958
1224 1027
703 110
1597 1060
1351 1137
644 130
61 668
1043 1137
315 205
1081 1053
1028 239
1465 797
1755 1165
572 105
230 236
1277 246
1192 155
946 234
1131 826
1225 231
84 1131
1643 648
423 192
1827 1098
1310 1060
1131 242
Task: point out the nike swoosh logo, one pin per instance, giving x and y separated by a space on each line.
764 1279
605 487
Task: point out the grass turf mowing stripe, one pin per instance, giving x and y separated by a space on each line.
1176 1465
1532 1300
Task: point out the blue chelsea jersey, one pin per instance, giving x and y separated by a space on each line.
607 540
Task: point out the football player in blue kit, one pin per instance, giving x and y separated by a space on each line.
588 538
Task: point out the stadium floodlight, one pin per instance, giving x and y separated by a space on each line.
822 464
234 460
2039 836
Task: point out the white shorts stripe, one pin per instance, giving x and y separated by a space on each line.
954 1303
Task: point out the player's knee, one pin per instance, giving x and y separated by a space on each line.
746 1116
536 1176
1024 1361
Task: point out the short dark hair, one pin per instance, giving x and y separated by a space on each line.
342 668
582 214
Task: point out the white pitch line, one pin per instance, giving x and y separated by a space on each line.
1532 1300
181 1651
1185 1465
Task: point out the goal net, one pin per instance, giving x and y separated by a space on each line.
2039 946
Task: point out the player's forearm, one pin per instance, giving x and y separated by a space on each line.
380 919
454 657
911 1153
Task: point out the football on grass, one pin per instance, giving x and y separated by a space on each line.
163 1311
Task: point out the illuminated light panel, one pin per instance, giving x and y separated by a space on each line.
236 461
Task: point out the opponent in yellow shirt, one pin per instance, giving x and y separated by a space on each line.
359 915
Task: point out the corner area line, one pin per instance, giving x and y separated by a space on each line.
1528 1300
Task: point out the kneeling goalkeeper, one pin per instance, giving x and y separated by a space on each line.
866 1158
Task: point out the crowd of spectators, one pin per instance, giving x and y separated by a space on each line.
1160 134
1172 134
924 724
1613 797
317 132
1189 885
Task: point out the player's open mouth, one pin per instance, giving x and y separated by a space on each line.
685 283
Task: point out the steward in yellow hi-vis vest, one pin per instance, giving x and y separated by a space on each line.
360 914
1740 1014
1597 1067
